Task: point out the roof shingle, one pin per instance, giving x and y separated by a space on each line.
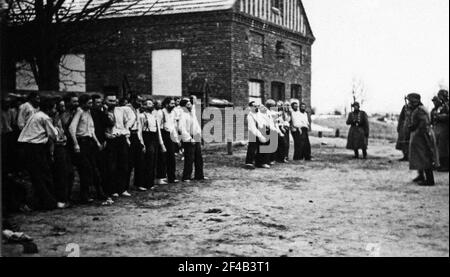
150 7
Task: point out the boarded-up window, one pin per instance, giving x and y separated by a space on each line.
255 91
296 58
256 44
72 73
166 72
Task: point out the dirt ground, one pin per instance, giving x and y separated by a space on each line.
332 206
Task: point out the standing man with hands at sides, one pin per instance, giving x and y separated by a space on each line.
170 136
191 136
300 125
358 135
151 134
137 146
86 145
119 122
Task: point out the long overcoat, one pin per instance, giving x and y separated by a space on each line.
403 129
440 121
358 135
423 153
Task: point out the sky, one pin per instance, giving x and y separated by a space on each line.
393 47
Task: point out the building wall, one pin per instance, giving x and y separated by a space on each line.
271 67
205 41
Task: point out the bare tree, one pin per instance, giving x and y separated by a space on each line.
52 28
358 90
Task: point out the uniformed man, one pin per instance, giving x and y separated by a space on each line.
422 150
358 135
439 119
403 132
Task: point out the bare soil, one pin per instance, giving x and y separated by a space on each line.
331 206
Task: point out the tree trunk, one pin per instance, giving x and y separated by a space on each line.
48 73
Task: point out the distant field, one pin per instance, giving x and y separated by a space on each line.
378 130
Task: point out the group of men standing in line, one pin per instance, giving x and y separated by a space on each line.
277 120
423 137
103 140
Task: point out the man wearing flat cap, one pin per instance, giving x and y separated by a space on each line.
358 135
423 154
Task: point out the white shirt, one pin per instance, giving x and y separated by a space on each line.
135 126
255 122
149 122
38 129
123 118
169 124
189 127
82 124
300 120
26 110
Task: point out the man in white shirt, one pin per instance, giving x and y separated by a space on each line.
119 122
86 145
272 112
154 144
137 147
191 135
27 109
34 137
169 134
255 137
300 126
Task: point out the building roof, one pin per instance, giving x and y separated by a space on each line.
150 7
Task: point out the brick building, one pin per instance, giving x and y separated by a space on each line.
229 49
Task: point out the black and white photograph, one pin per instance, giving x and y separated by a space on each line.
224 129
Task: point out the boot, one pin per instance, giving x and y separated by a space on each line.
430 177
356 154
364 154
420 177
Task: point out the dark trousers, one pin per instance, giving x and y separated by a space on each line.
302 146
193 156
86 163
252 150
287 144
151 142
71 169
102 164
14 195
280 155
262 158
37 163
168 158
364 151
9 153
136 161
61 173
116 165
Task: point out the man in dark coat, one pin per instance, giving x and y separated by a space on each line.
422 149
403 132
439 119
358 135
